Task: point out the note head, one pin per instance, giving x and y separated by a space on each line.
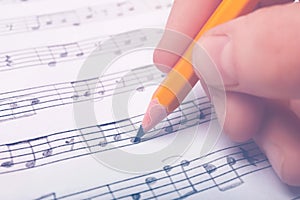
184 121
79 54
49 23
30 164
89 16
87 94
102 143
167 168
75 97
63 55
52 64
231 161
35 101
141 89
76 24
7 164
117 137
47 153
150 180
169 129
136 196
101 92
185 163
201 115
34 28
210 168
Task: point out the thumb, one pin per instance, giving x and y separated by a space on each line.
257 54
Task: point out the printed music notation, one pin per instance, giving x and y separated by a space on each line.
80 16
223 169
52 55
27 102
69 144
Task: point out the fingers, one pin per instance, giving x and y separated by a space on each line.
186 18
244 116
258 54
295 106
264 3
279 139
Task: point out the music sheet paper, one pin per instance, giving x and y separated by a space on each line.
45 155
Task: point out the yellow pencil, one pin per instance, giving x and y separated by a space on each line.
182 78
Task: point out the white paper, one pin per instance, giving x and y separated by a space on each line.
46 155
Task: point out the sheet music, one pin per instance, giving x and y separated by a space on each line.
45 155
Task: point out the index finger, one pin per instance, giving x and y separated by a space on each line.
186 20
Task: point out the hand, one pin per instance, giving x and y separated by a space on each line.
258 58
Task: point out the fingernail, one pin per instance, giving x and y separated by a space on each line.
219 50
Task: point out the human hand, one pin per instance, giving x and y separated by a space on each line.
258 58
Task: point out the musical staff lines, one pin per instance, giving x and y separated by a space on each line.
52 55
70 144
27 102
80 16
184 179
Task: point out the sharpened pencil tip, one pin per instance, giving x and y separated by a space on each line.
139 135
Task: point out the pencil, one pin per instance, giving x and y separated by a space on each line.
181 79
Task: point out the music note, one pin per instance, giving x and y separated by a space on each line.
251 160
52 62
193 118
90 13
167 170
124 8
225 176
35 101
81 89
48 20
210 168
183 119
121 82
31 163
9 27
117 137
8 61
70 142
100 91
151 181
36 23
94 137
201 115
18 107
169 128
10 162
184 164
63 51
136 196
231 161
48 152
